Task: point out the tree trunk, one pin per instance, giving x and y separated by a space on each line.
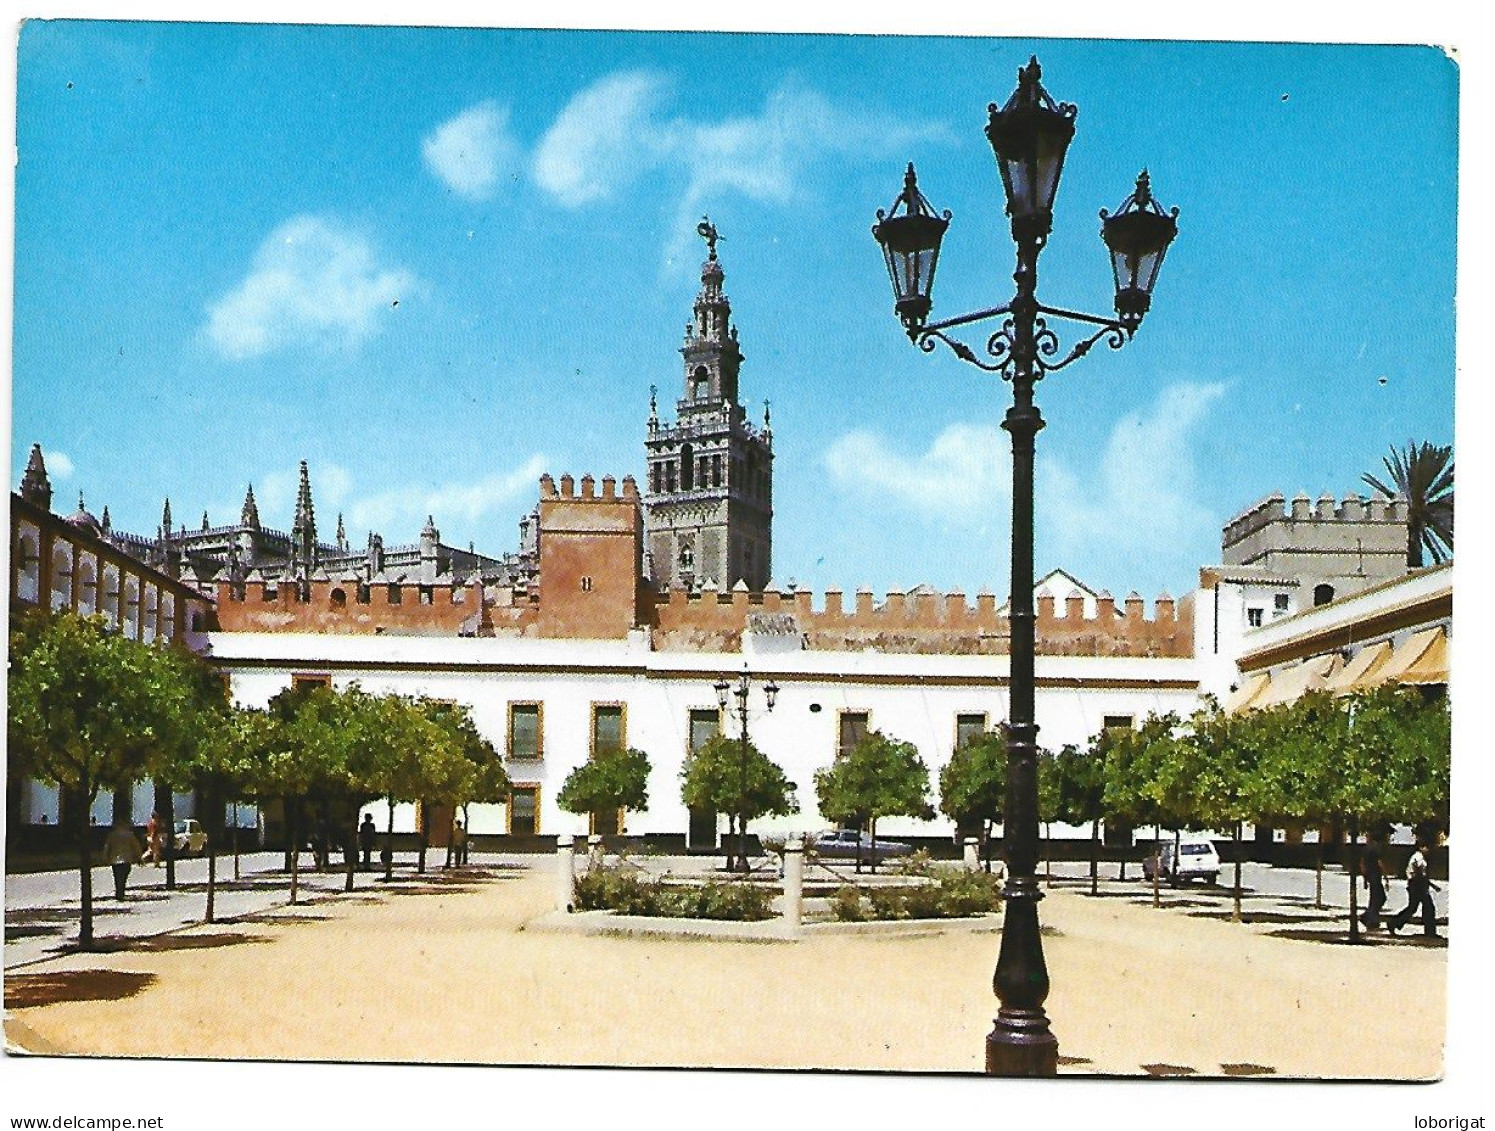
1095 856
389 844
167 823
350 853
85 867
235 836
293 824
1354 870
986 834
420 863
1318 875
212 851
1048 844
1235 836
872 835
467 828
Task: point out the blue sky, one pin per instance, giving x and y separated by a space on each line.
434 263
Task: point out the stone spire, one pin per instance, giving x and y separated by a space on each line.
304 528
712 357
342 535
166 518
205 524
250 515
105 523
35 486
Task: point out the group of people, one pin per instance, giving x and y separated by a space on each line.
1420 888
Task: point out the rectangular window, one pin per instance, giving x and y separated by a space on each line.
852 729
525 738
1116 722
395 594
524 810
608 730
705 723
1279 602
307 680
1253 618
968 727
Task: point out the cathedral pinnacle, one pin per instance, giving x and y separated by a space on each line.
166 518
35 486
250 515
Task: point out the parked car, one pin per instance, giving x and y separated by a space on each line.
851 844
1196 860
190 838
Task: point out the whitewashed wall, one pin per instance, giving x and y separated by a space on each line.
914 698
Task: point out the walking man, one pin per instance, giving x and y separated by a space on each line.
1419 895
122 848
366 836
1374 874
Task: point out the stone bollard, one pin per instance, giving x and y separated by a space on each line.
565 892
794 882
973 853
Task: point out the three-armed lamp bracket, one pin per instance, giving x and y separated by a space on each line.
1029 136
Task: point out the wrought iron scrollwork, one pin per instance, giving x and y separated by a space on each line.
1001 345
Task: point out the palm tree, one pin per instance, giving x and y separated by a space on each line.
1423 475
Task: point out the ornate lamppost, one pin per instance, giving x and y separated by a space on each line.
1029 136
725 693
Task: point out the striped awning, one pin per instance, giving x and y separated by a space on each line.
1361 671
1291 683
1432 665
1244 696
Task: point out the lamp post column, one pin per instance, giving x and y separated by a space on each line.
1021 1043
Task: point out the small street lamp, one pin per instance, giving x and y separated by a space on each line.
725 692
1030 136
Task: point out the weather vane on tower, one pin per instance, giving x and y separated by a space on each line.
707 231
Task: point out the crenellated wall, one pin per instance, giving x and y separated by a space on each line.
334 607
920 622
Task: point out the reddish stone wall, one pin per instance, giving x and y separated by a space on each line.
591 559
445 615
928 623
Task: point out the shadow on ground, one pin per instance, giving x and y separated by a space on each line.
25 991
160 944
1341 936
1268 917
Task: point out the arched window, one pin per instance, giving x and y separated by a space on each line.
62 575
654 477
339 599
110 607
88 587
716 471
687 468
168 616
700 384
132 606
1322 594
29 570
149 604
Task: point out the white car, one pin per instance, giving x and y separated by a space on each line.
1196 860
190 838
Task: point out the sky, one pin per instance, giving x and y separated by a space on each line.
435 263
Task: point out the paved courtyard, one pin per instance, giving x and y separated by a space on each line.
440 968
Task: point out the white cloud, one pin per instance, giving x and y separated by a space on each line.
312 281
1144 494
59 465
463 501
956 479
471 151
614 131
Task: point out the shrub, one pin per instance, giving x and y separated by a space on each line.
628 893
918 863
846 904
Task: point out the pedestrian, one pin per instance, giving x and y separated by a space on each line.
152 840
1419 895
121 848
1374 874
459 844
366 837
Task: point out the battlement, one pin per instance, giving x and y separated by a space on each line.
610 492
345 606
922 622
1274 508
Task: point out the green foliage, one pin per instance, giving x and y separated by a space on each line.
1143 778
879 777
718 777
1080 781
631 893
973 784
950 893
611 779
89 709
1048 785
1423 475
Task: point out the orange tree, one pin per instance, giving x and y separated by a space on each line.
724 777
973 786
879 777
